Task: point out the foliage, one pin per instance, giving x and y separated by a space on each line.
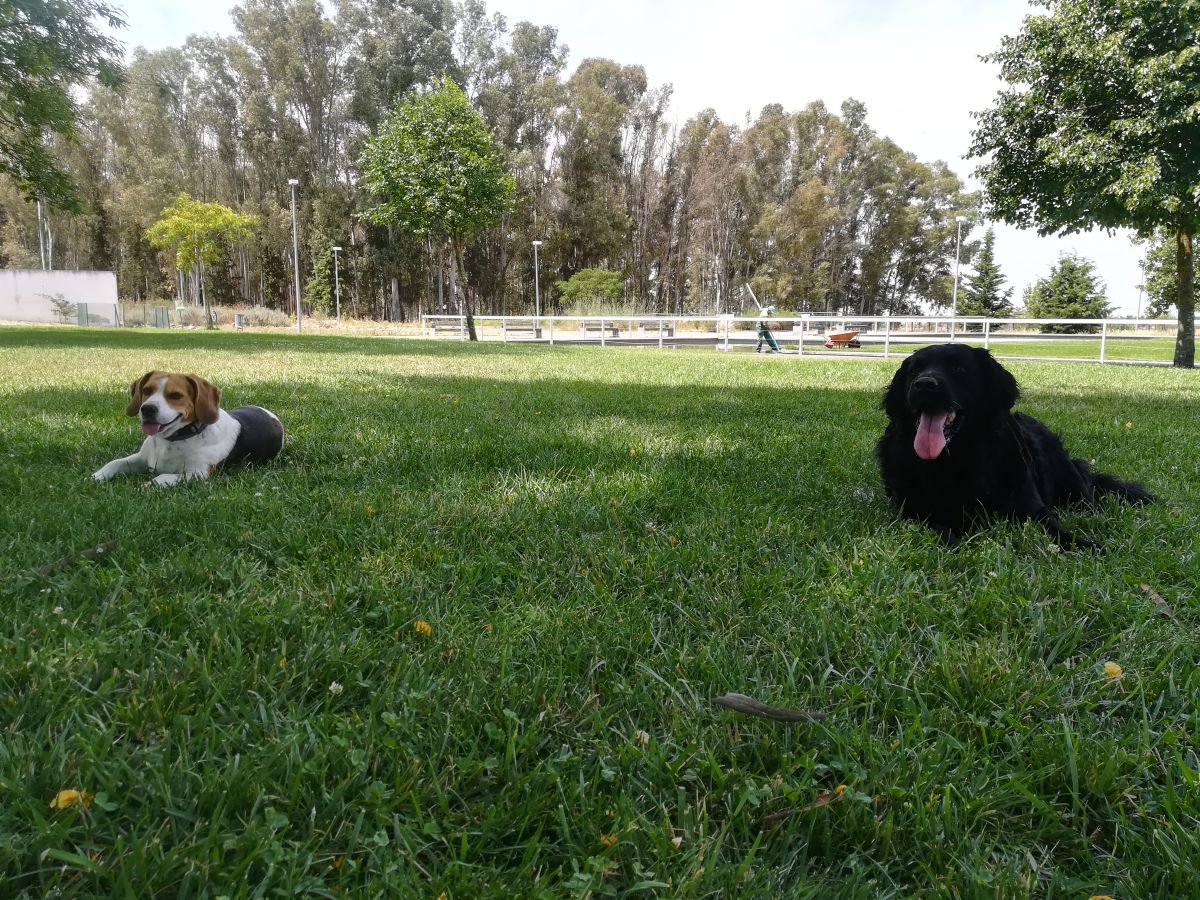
48 48
319 290
267 691
591 286
1160 280
436 167
809 205
1072 290
983 292
1098 126
198 232
63 308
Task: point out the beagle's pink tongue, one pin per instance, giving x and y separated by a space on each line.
151 428
931 435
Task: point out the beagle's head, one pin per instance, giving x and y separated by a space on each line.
167 401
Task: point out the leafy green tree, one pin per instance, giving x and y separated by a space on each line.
47 48
319 290
588 287
1071 291
1159 277
983 293
439 173
199 234
1098 127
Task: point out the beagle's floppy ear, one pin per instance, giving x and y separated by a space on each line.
206 398
894 402
135 394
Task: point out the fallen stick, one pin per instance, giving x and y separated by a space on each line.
90 553
749 706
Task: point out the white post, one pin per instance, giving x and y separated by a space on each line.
803 328
602 331
987 333
296 255
887 333
503 330
551 320
660 330
728 325
1103 339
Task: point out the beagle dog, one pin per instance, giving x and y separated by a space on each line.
188 435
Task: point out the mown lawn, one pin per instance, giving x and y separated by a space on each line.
598 541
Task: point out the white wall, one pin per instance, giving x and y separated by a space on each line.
25 295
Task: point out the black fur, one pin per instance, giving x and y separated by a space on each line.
995 462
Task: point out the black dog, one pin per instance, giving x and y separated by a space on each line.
953 449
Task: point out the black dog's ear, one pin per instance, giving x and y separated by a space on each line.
894 402
1002 389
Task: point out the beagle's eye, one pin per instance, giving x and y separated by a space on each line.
146 390
174 395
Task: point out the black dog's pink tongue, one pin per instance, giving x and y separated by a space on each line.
151 428
931 435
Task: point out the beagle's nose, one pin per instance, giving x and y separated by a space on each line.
149 411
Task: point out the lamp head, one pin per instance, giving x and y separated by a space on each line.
293 181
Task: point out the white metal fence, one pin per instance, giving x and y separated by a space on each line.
1133 341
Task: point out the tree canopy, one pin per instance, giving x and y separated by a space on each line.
436 168
1097 127
983 292
809 205
1072 290
47 49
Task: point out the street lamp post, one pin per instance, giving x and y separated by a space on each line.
337 285
537 297
296 254
957 248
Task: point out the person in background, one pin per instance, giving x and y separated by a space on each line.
764 333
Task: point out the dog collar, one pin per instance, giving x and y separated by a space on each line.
188 431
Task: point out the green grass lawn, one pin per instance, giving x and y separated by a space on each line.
599 542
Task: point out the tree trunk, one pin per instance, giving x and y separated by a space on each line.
1185 336
465 303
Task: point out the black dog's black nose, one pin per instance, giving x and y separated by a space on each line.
924 383
149 411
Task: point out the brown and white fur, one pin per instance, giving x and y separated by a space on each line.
188 435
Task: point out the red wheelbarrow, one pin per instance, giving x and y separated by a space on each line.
842 340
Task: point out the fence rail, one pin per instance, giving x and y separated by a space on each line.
879 336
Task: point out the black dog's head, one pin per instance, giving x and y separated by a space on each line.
940 391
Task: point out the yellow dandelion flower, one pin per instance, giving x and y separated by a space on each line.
423 628
1128 424
633 451
69 797
370 510
607 840
1113 671
1100 897
337 861
839 790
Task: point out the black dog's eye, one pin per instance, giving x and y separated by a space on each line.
960 370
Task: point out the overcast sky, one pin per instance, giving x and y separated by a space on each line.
914 63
